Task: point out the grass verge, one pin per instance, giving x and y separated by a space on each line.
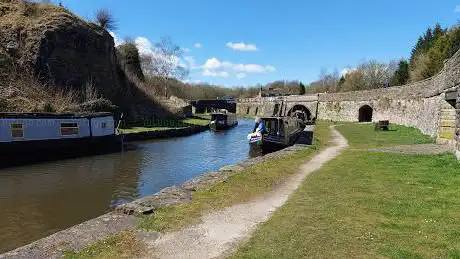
122 245
142 126
369 205
239 188
364 136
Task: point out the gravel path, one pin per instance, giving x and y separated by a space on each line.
416 149
221 231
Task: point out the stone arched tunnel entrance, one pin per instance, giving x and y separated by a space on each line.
300 112
365 113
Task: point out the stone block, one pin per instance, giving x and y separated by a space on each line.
164 198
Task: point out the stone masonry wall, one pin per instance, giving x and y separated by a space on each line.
421 104
421 113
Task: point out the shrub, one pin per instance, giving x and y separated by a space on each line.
105 19
48 107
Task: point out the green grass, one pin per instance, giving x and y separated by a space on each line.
369 205
364 136
201 120
142 129
142 126
239 188
122 245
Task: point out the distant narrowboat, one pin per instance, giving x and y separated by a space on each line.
223 120
280 132
48 134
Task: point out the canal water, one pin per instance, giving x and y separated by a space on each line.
38 200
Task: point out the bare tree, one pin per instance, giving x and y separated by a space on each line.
106 20
164 62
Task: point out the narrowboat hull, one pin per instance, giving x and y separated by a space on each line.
273 143
221 126
35 151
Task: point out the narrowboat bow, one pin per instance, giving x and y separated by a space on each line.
223 120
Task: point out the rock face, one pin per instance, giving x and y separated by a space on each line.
59 47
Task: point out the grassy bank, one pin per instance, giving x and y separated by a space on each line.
155 125
364 136
239 188
370 205
122 245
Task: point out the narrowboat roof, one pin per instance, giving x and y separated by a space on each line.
51 115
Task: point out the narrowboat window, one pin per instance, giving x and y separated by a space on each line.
17 130
104 125
68 129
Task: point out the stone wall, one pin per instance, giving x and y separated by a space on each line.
421 105
421 113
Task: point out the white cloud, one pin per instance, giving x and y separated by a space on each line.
457 9
197 45
212 63
145 46
215 67
241 46
345 71
207 72
254 68
117 40
240 75
186 50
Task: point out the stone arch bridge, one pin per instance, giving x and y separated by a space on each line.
285 105
432 105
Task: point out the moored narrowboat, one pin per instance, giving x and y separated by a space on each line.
223 120
276 133
47 135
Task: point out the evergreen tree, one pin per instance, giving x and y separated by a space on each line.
401 76
301 88
341 81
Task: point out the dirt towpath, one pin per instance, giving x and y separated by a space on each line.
220 232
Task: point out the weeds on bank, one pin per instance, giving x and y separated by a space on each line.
122 245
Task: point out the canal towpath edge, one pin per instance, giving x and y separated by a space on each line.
80 236
221 231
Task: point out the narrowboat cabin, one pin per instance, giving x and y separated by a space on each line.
279 132
223 120
51 134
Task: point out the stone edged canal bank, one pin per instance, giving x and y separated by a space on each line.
166 133
80 236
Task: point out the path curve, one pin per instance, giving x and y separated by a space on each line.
221 231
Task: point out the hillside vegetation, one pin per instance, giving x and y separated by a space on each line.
52 60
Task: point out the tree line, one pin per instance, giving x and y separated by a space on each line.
164 74
427 58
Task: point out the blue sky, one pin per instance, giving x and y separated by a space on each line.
290 39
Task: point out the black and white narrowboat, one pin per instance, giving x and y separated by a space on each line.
39 135
223 120
280 132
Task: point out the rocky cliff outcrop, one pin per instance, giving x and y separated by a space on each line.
58 47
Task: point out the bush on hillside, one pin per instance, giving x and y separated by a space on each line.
105 19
